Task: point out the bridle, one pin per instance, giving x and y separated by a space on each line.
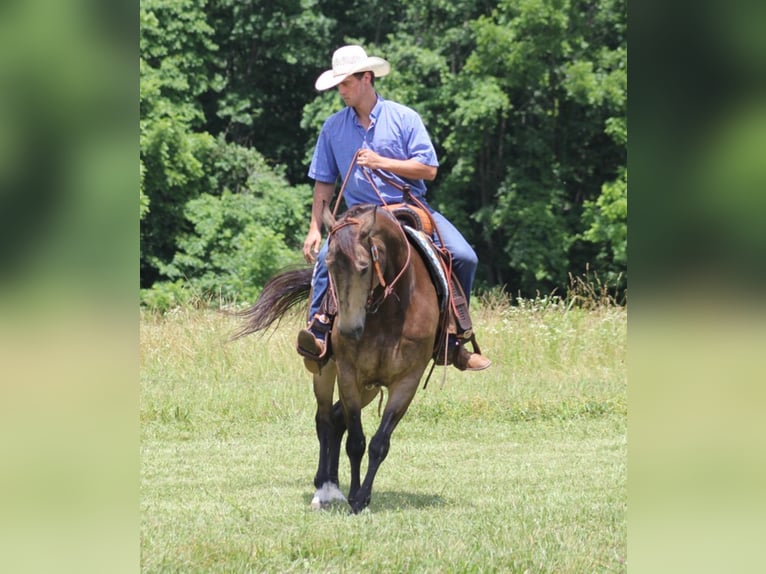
373 304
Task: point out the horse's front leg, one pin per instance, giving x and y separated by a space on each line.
353 403
355 445
399 399
330 427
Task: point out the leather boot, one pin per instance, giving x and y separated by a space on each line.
313 350
312 343
465 360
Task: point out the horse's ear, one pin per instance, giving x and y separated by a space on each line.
368 223
327 217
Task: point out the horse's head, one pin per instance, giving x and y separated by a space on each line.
354 243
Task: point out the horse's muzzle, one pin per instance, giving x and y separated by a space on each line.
354 334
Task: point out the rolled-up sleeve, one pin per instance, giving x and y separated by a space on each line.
323 166
419 146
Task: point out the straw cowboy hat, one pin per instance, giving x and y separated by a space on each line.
349 60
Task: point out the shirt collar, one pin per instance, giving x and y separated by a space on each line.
376 108
374 113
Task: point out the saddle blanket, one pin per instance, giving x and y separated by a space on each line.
426 248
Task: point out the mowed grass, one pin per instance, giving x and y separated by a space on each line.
520 468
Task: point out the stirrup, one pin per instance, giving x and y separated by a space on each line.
465 360
313 348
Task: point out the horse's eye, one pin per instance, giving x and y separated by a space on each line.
363 269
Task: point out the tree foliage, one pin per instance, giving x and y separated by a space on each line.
175 45
525 101
529 137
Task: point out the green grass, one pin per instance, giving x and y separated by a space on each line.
520 468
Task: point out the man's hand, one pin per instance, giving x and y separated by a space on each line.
368 158
311 245
409 168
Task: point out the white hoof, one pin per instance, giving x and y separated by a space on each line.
326 495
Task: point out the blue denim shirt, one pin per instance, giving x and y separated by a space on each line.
395 131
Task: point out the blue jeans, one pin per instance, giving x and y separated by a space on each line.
464 263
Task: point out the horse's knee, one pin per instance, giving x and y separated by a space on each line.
338 420
355 445
379 447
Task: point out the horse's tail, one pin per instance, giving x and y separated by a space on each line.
281 293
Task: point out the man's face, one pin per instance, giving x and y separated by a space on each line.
350 90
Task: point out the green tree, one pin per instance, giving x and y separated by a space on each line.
240 239
524 99
525 102
215 215
530 142
175 46
269 53
606 218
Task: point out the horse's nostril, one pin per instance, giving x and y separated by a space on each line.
354 334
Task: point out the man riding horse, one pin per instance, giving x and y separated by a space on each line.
382 147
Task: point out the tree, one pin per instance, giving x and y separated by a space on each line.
269 54
175 45
606 218
240 238
214 214
530 142
524 100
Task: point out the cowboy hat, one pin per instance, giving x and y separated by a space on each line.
349 60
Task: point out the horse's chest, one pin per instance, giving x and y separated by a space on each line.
380 364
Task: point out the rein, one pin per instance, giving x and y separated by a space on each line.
345 181
406 196
405 189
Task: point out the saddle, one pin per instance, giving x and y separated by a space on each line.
412 216
419 228
453 304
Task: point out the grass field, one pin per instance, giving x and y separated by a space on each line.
520 468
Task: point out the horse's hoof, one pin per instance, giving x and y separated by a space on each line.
326 495
359 506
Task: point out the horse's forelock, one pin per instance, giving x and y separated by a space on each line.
345 241
367 219
347 235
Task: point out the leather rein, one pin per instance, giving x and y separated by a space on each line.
373 305
405 189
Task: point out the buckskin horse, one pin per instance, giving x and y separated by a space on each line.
383 337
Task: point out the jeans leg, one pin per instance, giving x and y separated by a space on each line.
464 258
320 281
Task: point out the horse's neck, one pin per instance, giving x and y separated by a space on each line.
398 267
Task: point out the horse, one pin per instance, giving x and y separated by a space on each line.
383 336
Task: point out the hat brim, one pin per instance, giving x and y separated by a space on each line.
329 79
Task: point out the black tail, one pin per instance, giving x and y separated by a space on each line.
281 293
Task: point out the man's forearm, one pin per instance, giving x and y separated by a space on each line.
409 168
323 193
